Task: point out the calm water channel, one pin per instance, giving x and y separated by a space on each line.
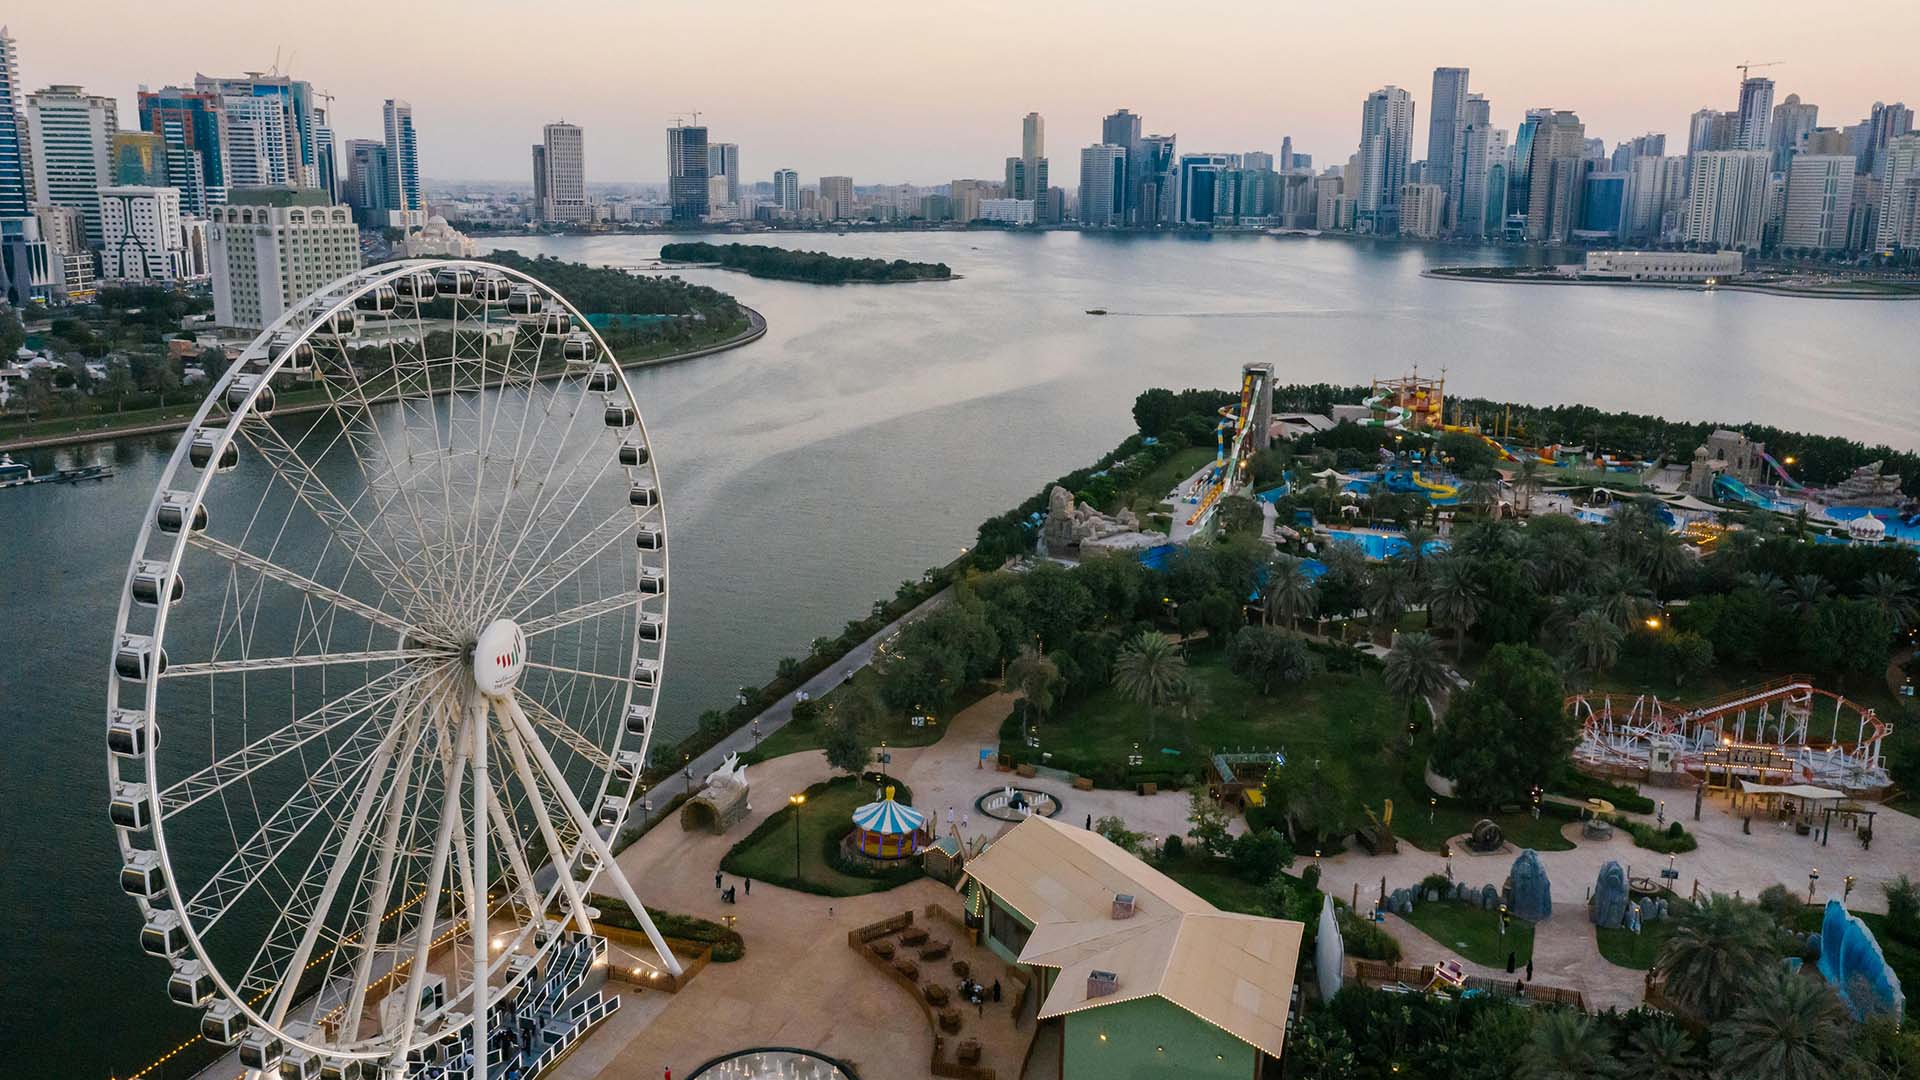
858 443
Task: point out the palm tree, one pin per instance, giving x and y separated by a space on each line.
1416 557
1526 481
1455 600
1805 593
1892 596
1038 679
1416 669
1188 700
1715 948
1666 560
1389 595
1662 1050
1568 1045
1595 640
1621 596
1289 592
1147 669
1761 581
1789 1026
1556 560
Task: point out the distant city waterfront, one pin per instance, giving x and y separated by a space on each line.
862 441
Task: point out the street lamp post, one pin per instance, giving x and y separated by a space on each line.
1846 887
796 801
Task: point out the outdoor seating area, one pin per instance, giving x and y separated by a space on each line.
981 1001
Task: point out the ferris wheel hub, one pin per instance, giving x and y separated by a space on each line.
499 656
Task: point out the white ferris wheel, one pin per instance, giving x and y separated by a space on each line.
385 670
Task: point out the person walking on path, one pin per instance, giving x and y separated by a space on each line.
716 880
1529 969
749 882
996 991
1510 959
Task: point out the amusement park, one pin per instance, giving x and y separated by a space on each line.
1272 708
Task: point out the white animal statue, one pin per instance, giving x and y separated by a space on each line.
730 773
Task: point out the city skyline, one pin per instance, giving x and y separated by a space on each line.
941 116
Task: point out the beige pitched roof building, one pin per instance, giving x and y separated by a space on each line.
1232 971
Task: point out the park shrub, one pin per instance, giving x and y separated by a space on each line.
1776 901
1666 841
1258 856
1439 883
1578 785
728 945
1366 939
1173 849
1903 910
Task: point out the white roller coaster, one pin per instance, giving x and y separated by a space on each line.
385 672
1780 732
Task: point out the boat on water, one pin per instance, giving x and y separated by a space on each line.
1096 311
19 474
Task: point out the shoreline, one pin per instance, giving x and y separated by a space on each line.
1441 273
756 329
667 264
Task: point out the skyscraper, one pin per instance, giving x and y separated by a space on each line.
1884 124
786 190
560 174
1791 123
1202 188
1711 129
1386 135
687 171
139 159
72 135
268 129
1446 120
1656 194
1103 185
723 160
142 240
1754 115
271 246
1033 150
1519 182
1555 177
1727 199
836 197
1159 181
1897 228
13 166
369 182
326 155
1122 129
189 122
403 157
1479 150
1819 202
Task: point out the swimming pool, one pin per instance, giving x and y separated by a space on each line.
1897 528
1382 545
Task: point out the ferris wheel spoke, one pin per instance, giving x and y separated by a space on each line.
560 855
423 931
497 567
547 574
557 669
280 663
268 569
592 609
596 843
545 720
237 765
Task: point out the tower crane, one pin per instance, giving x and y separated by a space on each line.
1750 64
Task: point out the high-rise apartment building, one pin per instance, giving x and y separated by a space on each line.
836 197
723 160
1897 228
1755 115
15 175
687 171
369 182
786 190
1103 185
72 136
269 247
1882 125
1202 192
1819 202
1656 197
1712 129
1421 210
1386 136
1122 128
1481 147
1727 199
1792 120
141 233
268 128
560 174
1033 154
1446 122
403 156
139 159
188 121
1159 181
326 154
1555 177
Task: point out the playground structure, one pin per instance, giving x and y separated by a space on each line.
1767 733
1242 430
1409 403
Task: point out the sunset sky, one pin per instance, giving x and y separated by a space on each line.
923 93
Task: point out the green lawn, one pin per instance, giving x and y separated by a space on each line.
1154 485
1216 883
896 729
767 854
1426 821
1474 934
1348 715
1631 950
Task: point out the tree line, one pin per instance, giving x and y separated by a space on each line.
817 267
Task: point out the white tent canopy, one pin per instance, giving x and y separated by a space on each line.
1797 791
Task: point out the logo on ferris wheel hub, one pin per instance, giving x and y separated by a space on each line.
499 656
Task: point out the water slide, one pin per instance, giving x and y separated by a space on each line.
1731 487
1434 488
1396 416
1780 469
1499 449
1232 439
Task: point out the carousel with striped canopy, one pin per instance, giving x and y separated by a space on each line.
889 830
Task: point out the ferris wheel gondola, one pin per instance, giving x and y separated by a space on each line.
397 704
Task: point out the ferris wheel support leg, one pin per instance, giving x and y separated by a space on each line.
429 909
383 874
516 859
477 885
557 853
524 728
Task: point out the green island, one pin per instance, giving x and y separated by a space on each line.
155 374
815 267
